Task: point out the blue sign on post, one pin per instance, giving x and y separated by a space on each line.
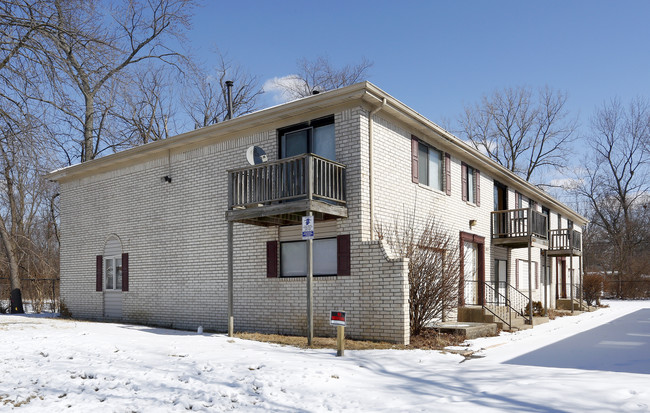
308 227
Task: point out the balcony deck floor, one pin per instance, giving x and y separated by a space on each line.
287 213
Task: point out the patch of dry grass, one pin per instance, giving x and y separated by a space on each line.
553 314
428 340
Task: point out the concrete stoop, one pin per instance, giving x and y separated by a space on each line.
477 314
565 304
467 329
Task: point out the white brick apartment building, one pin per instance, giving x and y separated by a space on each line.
143 231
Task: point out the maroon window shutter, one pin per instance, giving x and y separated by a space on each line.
448 173
99 272
271 259
477 180
343 254
463 179
414 159
125 272
517 274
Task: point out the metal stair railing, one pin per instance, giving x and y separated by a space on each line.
494 298
511 299
519 302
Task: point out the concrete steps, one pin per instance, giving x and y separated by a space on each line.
478 314
565 304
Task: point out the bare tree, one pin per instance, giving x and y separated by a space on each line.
23 160
434 266
146 108
204 97
615 182
525 132
20 134
320 75
93 43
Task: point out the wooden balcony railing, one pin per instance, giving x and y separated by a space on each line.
521 222
302 177
564 239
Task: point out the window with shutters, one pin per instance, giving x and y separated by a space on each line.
431 166
293 257
471 184
113 267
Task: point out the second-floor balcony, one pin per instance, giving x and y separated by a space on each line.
283 191
517 228
564 242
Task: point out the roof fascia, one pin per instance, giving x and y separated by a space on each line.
212 134
451 143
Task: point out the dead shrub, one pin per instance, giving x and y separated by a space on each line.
434 266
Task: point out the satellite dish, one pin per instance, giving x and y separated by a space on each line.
256 155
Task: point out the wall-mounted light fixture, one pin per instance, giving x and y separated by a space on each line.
472 223
167 179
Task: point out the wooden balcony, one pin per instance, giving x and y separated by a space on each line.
517 228
283 191
564 242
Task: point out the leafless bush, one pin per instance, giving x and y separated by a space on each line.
434 266
592 288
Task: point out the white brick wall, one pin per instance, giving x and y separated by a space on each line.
396 193
175 234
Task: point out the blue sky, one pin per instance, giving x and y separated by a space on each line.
438 56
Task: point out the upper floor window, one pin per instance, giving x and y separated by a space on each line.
471 184
546 212
430 164
316 136
500 196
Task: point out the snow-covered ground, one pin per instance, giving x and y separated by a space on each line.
53 365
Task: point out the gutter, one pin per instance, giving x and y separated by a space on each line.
371 186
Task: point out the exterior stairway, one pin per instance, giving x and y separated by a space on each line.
505 306
494 314
565 304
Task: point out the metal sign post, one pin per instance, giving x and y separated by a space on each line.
337 318
308 234
231 322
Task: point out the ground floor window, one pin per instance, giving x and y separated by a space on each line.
293 258
113 272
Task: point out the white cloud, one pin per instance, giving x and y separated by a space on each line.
280 88
481 147
566 183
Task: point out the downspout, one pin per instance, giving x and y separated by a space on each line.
371 186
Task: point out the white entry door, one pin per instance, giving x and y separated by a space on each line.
501 280
471 273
